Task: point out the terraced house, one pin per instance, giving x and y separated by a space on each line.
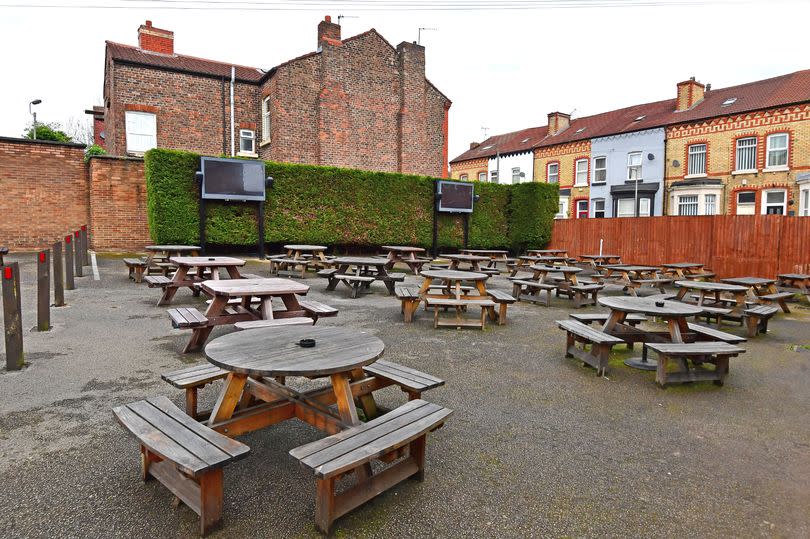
738 150
357 102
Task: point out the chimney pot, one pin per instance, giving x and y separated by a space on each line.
328 32
155 39
328 18
149 24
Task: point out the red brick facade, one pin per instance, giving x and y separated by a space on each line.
117 203
358 102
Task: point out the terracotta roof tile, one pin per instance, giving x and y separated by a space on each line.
517 141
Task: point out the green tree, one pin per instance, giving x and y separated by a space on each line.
52 131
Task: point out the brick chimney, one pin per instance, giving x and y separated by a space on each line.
474 145
154 39
328 32
558 122
690 93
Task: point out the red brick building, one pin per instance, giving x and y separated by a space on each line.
358 102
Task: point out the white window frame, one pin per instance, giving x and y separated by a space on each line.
619 207
644 207
580 174
563 208
765 204
493 176
266 120
594 209
515 174
712 206
587 208
463 177
556 174
482 176
804 200
632 166
750 207
749 147
140 136
247 135
689 156
769 149
596 170
689 202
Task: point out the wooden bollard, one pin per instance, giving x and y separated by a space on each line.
69 282
58 275
85 247
77 254
12 314
44 290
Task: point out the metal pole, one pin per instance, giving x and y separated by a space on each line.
44 290
35 125
77 254
12 315
69 283
261 230
85 259
58 275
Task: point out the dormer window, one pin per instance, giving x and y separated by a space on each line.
487 147
640 118
729 101
580 130
524 141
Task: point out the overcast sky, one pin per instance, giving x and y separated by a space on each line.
503 69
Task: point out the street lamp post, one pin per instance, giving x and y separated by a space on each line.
33 113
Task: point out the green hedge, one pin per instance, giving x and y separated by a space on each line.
337 206
531 217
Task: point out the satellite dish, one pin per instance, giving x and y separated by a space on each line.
650 157
676 163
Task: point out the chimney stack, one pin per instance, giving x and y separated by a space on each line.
558 122
690 93
474 145
328 32
154 39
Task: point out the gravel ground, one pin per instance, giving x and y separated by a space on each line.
538 446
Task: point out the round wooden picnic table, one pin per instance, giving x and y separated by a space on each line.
751 282
173 248
484 252
296 247
544 252
716 289
453 280
264 354
683 265
674 312
403 249
405 254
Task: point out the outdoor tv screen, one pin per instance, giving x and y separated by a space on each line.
232 179
457 197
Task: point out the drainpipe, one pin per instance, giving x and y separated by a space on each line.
498 165
233 79
664 192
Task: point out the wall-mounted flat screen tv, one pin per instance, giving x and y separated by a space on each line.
456 197
232 179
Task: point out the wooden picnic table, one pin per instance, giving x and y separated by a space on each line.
674 313
600 260
454 294
160 254
800 281
299 257
474 261
715 292
627 276
547 252
452 284
222 311
759 290
494 255
524 261
405 254
359 272
183 278
541 272
684 270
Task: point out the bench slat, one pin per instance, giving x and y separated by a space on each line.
715 334
460 302
194 376
587 332
276 322
762 310
405 376
317 307
695 348
501 297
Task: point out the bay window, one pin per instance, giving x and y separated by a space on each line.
688 205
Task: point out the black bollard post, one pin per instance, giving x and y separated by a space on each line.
69 283
77 254
58 276
12 313
85 246
44 290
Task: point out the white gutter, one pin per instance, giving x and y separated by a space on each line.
233 133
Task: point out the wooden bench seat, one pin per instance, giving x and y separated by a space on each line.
411 381
710 334
184 455
316 309
503 299
586 293
187 317
756 319
717 353
250 276
409 297
658 282
711 312
357 446
460 304
777 297
327 272
599 342
526 290
136 268
157 281
488 271
276 322
396 277
193 378
704 276
632 319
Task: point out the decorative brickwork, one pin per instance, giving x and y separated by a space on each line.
471 168
566 156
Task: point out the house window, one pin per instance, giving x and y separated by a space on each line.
141 131
598 205
463 177
247 141
600 170
710 204
266 119
582 209
634 166
777 151
746 154
626 207
553 173
688 205
804 201
563 209
746 202
493 176
775 202
644 207
482 176
581 172
697 160
516 175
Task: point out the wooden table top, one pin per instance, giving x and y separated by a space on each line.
275 351
713 287
546 251
632 269
749 281
796 276
564 269
295 247
649 307
682 265
599 257
543 258
484 251
403 248
177 248
253 287
466 258
454 275
206 261
360 261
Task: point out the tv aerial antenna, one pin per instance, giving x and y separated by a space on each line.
485 131
419 35
340 17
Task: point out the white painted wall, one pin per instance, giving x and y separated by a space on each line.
524 161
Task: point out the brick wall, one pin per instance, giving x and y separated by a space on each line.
565 155
117 204
471 168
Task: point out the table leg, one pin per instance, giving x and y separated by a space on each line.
367 402
200 335
233 272
771 289
170 291
228 398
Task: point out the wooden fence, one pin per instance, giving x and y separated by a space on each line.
729 245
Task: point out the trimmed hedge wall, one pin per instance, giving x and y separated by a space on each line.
337 206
